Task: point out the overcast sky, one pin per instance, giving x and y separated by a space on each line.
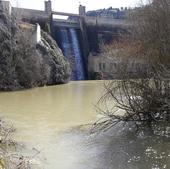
72 5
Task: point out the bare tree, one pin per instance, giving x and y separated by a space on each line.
144 101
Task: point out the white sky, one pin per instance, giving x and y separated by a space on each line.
72 5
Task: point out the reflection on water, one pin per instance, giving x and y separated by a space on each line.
119 148
47 117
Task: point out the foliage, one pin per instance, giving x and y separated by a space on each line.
23 63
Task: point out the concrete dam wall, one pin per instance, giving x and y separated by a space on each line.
77 36
90 33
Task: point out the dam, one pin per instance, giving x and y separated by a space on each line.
77 36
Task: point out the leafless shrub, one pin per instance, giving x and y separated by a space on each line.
152 29
10 158
144 101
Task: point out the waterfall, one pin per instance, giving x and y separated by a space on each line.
65 42
71 49
77 53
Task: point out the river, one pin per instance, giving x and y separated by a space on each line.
48 118
40 114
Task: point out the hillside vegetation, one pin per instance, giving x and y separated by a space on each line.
24 64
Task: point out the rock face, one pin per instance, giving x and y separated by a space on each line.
24 64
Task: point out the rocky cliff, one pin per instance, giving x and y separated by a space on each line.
24 64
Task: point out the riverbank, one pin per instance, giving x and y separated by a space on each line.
12 152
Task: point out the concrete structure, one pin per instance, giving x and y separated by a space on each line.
48 6
116 66
91 28
82 10
31 15
46 16
79 21
6 6
32 31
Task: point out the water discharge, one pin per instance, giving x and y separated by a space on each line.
80 73
71 49
65 42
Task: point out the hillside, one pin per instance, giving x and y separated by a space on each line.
24 64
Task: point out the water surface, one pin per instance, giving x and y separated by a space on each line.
48 119
40 114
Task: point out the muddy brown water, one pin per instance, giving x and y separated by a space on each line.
47 118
